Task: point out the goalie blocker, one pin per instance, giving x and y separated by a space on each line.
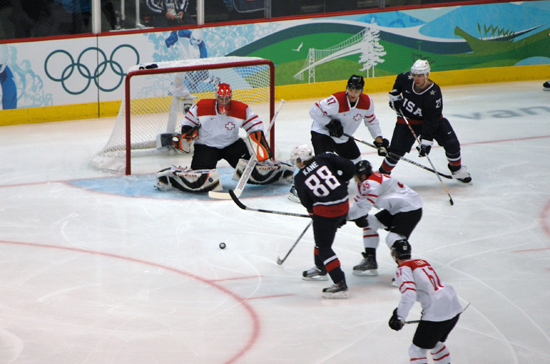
205 180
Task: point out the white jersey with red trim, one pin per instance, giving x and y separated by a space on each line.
383 192
337 106
418 282
217 130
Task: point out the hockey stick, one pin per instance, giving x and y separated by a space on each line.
428 158
398 157
242 206
281 261
417 321
249 167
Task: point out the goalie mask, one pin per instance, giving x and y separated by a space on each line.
223 98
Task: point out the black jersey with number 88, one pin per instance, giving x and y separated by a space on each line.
322 185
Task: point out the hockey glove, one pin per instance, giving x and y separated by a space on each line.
260 146
335 128
382 151
190 133
396 102
172 39
182 142
362 222
424 148
395 322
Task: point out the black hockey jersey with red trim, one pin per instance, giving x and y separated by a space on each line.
323 185
426 105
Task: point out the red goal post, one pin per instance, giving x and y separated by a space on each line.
153 104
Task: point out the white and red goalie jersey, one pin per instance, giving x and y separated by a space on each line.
217 130
383 192
337 106
418 281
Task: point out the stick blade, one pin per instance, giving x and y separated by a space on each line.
279 261
219 195
235 199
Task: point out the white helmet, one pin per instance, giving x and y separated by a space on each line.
300 154
4 56
420 67
197 36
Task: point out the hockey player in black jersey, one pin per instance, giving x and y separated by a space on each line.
322 186
420 101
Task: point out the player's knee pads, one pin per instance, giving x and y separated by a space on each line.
189 180
266 172
420 355
393 237
374 223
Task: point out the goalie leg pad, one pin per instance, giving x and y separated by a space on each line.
189 180
265 173
239 169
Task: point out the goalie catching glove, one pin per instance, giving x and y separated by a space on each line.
182 142
260 146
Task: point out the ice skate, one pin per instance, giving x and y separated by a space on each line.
315 274
338 290
546 86
367 267
462 175
293 195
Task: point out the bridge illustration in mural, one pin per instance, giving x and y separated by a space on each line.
366 43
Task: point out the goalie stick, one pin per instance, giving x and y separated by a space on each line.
397 156
281 261
249 167
428 158
242 206
417 321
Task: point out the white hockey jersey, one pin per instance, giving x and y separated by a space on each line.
383 192
337 106
220 131
418 281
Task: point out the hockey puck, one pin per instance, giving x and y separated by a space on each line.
222 245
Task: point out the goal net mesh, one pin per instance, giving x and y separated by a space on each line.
157 96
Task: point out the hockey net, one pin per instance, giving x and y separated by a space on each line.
157 95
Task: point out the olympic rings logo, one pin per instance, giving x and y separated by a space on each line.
85 72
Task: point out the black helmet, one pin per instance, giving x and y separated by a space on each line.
356 82
401 249
363 167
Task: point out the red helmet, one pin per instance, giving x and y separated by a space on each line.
223 97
